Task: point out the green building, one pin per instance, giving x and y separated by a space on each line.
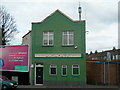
58 51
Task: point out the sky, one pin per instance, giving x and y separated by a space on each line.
101 18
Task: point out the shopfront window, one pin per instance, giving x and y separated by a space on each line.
53 69
64 70
75 69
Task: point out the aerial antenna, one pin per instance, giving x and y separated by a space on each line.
79 11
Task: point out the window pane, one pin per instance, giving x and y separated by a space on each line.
53 66
53 70
65 40
64 66
50 42
45 32
71 32
45 39
50 39
45 42
65 32
75 66
50 33
64 71
75 71
70 39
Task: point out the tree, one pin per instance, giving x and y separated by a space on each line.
8 26
96 51
91 52
114 48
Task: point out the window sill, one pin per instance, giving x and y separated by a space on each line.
76 75
53 74
67 45
64 75
48 45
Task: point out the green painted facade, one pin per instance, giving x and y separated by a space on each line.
58 22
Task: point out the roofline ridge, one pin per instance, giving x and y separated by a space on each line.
61 13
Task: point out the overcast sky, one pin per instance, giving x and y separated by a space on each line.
101 18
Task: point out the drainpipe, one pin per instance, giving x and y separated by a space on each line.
118 73
108 73
104 73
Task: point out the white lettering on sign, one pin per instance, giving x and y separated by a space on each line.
58 55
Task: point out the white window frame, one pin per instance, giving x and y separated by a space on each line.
78 70
48 35
52 67
62 69
68 36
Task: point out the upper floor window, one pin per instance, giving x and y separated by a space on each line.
68 38
48 38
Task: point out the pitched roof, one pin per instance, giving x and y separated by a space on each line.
62 14
27 33
98 55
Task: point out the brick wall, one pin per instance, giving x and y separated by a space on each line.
95 73
112 76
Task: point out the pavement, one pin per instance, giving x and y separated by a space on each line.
82 86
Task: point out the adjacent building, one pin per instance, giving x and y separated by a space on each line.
58 51
108 55
26 40
0 37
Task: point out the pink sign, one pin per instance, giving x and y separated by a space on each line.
14 58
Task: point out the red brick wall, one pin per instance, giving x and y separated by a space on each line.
113 74
95 73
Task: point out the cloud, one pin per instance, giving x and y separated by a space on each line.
102 24
100 15
17 39
104 39
103 12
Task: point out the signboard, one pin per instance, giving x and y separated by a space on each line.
14 58
59 55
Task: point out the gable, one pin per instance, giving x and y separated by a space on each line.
60 15
58 20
